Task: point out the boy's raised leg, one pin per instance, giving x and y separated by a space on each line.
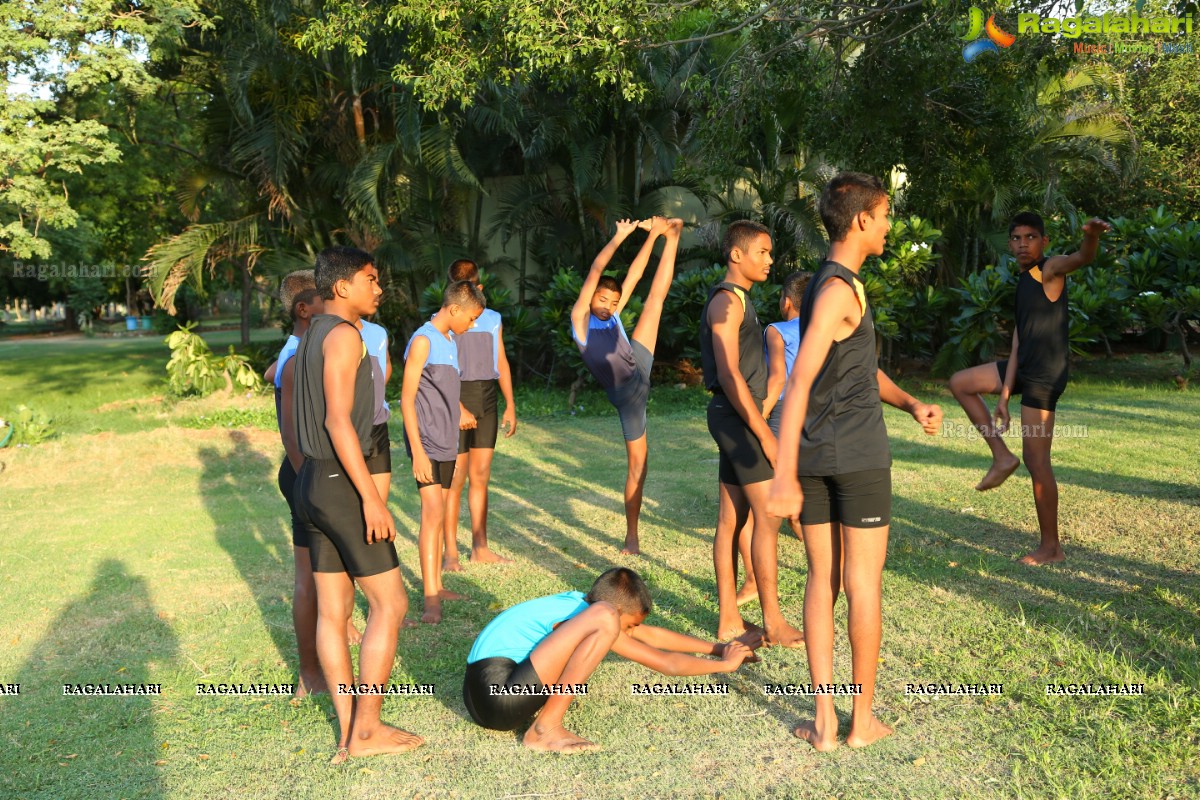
568 656
823 547
862 577
1037 436
967 386
635 484
646 330
388 603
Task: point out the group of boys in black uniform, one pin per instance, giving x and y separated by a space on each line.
829 468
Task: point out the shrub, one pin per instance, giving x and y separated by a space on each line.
195 370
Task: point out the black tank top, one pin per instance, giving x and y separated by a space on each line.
751 361
309 393
844 430
1043 332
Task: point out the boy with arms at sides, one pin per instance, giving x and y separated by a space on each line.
735 371
833 445
621 364
350 529
560 640
429 402
780 342
484 366
1036 369
379 463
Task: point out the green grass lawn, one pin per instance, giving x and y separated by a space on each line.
145 544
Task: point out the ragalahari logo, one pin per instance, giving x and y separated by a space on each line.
995 37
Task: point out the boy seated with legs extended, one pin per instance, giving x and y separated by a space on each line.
429 402
621 364
1036 369
559 640
484 365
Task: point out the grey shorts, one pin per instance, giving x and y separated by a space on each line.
630 398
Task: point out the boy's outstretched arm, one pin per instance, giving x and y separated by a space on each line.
414 363
675 642
930 416
1057 266
343 350
658 226
583 304
680 664
509 420
835 307
725 315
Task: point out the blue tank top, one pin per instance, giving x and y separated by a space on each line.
479 348
607 353
438 393
514 633
285 355
375 337
790 331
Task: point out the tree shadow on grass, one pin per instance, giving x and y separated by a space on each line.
85 747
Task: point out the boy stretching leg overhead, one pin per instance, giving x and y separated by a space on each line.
621 365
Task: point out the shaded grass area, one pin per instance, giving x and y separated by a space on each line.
162 554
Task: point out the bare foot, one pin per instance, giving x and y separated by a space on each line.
1044 555
808 732
737 630
556 740
310 684
486 556
675 225
408 623
446 594
383 740
433 611
787 636
631 547
353 634
998 473
451 566
875 731
748 593
340 756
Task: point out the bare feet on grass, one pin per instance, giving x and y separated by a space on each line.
785 636
432 614
748 593
822 741
737 630
485 556
451 566
383 740
1044 555
875 731
631 547
1000 471
556 740
310 684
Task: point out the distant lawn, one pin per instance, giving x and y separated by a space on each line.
159 553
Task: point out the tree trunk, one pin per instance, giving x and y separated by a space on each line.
247 296
1182 328
521 276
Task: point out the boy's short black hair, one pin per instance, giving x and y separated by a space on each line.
740 234
1030 220
845 197
296 288
464 269
608 282
464 294
624 588
339 264
794 286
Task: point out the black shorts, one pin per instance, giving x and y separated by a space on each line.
287 487
443 474
855 499
501 712
479 397
1033 395
331 511
631 398
743 461
380 460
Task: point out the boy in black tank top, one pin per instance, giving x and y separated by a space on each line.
834 468
735 371
350 528
1036 369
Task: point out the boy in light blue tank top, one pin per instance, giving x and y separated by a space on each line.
535 657
429 403
620 363
485 369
